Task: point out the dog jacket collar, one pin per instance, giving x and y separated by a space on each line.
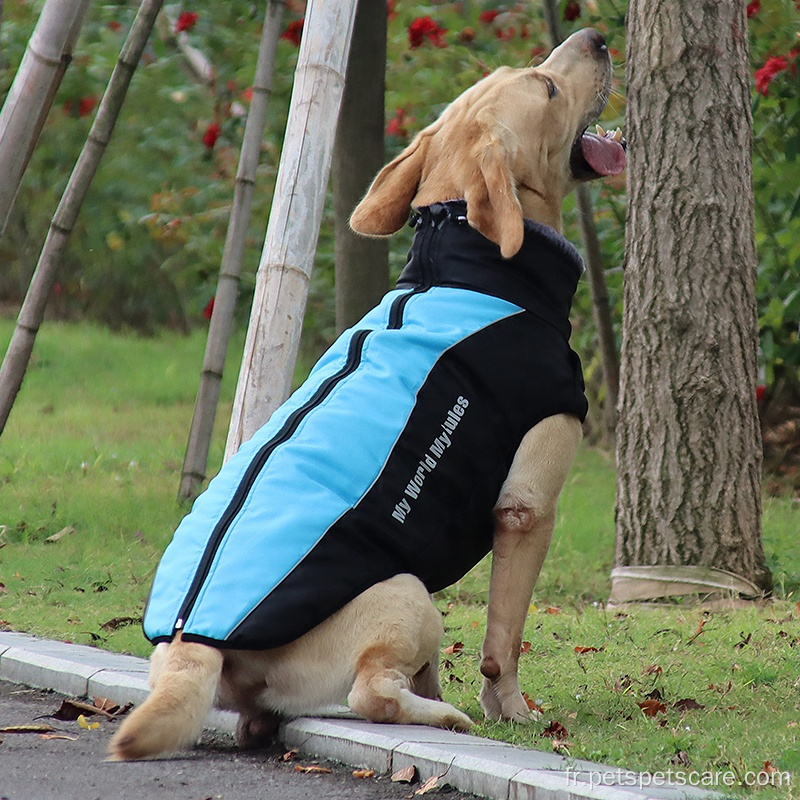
390 457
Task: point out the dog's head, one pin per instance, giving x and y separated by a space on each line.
512 146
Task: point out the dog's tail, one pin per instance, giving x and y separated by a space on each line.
184 687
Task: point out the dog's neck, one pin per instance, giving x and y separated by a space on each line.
541 208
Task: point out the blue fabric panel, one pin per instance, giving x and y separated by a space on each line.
311 480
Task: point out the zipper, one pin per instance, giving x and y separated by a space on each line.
257 464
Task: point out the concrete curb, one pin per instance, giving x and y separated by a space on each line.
484 767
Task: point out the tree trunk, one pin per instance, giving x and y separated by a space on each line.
688 441
362 264
219 331
273 335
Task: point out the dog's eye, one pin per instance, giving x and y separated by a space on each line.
552 89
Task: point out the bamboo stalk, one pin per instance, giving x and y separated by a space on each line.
284 273
219 332
31 95
598 290
30 317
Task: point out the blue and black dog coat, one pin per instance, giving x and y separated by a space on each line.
389 459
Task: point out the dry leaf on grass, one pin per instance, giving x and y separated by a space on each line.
652 707
119 622
582 650
454 648
525 648
406 775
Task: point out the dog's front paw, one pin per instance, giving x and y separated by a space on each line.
505 703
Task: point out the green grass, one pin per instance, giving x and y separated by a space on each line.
95 443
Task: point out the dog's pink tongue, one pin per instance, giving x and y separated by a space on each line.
604 155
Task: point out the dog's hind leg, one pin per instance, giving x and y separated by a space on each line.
382 693
184 682
524 519
396 679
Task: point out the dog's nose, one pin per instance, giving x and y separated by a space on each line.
595 39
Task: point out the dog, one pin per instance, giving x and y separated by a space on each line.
474 438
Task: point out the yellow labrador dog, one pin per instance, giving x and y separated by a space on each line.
488 179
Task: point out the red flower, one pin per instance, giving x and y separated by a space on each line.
209 309
294 32
186 21
765 75
425 28
86 105
211 135
391 13
572 10
247 94
396 126
487 17
761 390
753 8
114 25
506 34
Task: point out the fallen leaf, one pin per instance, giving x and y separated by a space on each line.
743 641
430 785
652 707
555 730
3 588
531 704
699 630
57 537
581 650
653 669
28 729
621 685
405 775
454 648
88 726
315 769
70 737
681 759
289 755
363 773
687 704
525 648
552 610
119 622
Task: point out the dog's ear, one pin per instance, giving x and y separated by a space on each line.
387 203
492 204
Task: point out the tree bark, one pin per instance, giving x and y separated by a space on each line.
362 264
688 440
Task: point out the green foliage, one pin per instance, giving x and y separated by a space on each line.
147 246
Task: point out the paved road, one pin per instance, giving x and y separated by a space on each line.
33 768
